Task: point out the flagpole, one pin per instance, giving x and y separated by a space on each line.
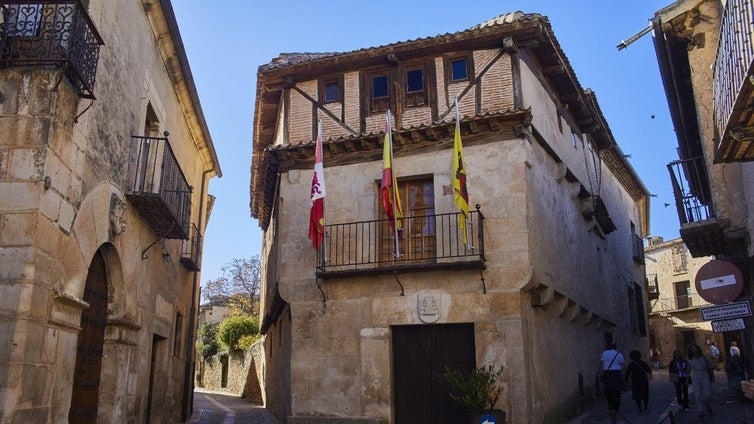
395 189
465 227
325 259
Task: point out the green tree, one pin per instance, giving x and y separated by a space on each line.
207 343
236 328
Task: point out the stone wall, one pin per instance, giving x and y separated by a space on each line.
242 373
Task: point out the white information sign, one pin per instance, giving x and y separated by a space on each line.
711 283
730 310
728 325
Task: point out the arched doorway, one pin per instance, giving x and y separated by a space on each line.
91 339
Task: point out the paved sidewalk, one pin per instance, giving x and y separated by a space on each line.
224 408
663 409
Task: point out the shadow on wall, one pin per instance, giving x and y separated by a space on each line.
235 373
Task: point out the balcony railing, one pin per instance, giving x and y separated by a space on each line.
157 187
731 90
51 33
700 229
191 251
637 246
427 242
678 303
653 289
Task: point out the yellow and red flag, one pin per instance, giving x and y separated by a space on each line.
458 179
317 212
389 198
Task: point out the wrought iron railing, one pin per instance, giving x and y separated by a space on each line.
691 190
653 288
427 241
637 246
735 54
191 251
57 33
677 303
158 188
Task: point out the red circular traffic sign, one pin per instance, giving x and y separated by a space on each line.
719 282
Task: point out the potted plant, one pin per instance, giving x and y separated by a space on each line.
477 391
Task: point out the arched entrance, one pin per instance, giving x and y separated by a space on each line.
86 377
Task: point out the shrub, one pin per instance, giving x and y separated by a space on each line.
476 389
206 340
234 328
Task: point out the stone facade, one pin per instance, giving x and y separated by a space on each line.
557 277
236 373
674 318
67 221
704 54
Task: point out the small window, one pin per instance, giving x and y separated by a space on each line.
330 91
458 70
414 81
379 87
178 334
575 139
379 96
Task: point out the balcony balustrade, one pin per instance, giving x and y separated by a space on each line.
157 187
191 251
427 242
732 91
677 303
700 229
51 33
653 288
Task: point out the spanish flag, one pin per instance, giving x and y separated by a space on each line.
458 179
389 198
317 212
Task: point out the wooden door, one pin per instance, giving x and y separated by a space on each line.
417 198
420 355
91 340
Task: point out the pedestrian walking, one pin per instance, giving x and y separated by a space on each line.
678 374
639 373
734 370
701 378
655 357
714 355
612 365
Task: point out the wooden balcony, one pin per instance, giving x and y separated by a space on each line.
637 247
157 187
191 251
428 242
732 85
700 229
51 33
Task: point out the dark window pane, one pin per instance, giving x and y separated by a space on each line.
414 81
332 92
379 87
458 70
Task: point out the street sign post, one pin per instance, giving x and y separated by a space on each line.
728 325
730 310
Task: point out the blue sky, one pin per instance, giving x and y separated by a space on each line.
227 40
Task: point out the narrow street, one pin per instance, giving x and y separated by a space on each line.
223 408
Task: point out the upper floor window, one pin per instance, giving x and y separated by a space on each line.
416 84
379 92
417 198
459 70
575 138
330 91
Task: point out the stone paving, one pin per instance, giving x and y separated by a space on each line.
663 408
224 408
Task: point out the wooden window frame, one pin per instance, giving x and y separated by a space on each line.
417 98
379 104
413 245
448 62
323 83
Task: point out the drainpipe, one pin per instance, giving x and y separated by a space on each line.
188 375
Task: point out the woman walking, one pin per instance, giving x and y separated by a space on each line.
639 374
678 373
612 364
701 378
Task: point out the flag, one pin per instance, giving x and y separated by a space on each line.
389 184
458 179
317 213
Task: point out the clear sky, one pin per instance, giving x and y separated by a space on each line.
227 40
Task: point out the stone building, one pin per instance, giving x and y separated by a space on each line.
105 164
705 58
552 268
674 318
